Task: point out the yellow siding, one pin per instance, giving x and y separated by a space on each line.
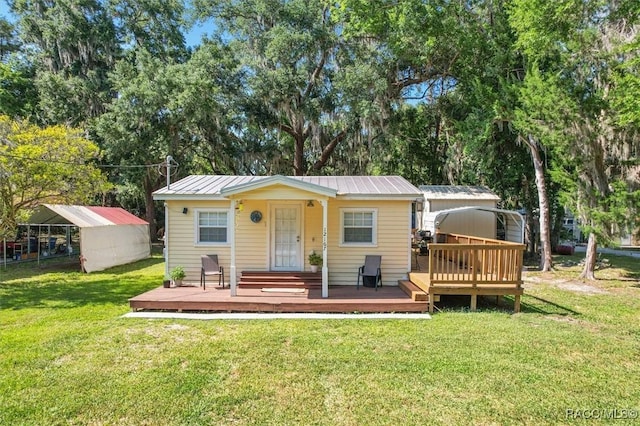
277 192
253 239
392 243
312 217
182 247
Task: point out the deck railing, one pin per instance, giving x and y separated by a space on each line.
466 260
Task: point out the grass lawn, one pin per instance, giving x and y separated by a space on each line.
68 357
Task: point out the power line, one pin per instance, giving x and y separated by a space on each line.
73 163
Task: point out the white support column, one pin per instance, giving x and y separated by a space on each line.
232 236
325 269
165 241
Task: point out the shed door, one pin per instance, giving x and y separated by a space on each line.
286 245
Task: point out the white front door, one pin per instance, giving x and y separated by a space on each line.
286 238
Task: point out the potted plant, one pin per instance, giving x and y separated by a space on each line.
177 275
315 260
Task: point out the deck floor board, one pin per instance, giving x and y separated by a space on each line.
342 299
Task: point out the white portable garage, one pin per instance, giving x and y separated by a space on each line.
469 221
469 210
109 236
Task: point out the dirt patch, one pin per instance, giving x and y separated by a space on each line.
534 280
578 287
542 278
569 285
574 321
177 327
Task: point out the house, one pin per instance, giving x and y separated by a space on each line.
272 223
469 210
628 237
571 226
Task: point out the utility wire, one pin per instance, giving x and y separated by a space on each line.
72 163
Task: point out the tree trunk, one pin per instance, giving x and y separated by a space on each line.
590 259
328 150
546 262
299 166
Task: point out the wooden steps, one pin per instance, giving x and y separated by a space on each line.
415 292
412 291
420 280
262 279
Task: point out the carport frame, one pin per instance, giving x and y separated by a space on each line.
446 212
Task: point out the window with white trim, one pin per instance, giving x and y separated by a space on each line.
359 226
212 226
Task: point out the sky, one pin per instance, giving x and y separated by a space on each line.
4 10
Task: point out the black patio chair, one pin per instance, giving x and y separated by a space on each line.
371 271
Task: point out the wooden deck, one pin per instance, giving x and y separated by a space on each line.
460 265
464 265
342 299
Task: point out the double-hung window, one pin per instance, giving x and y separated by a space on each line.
358 226
212 226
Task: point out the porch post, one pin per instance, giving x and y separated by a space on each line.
232 238
325 269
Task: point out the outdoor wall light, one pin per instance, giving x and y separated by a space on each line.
309 203
240 206
185 210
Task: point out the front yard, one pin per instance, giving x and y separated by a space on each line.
68 357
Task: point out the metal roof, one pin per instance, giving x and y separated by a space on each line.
457 192
218 186
83 216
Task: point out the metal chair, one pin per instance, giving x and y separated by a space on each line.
371 269
210 266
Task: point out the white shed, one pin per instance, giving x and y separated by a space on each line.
469 210
109 236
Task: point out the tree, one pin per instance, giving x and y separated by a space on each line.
9 42
416 46
413 145
573 48
168 108
18 95
626 90
44 165
537 117
75 47
306 86
139 129
153 25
